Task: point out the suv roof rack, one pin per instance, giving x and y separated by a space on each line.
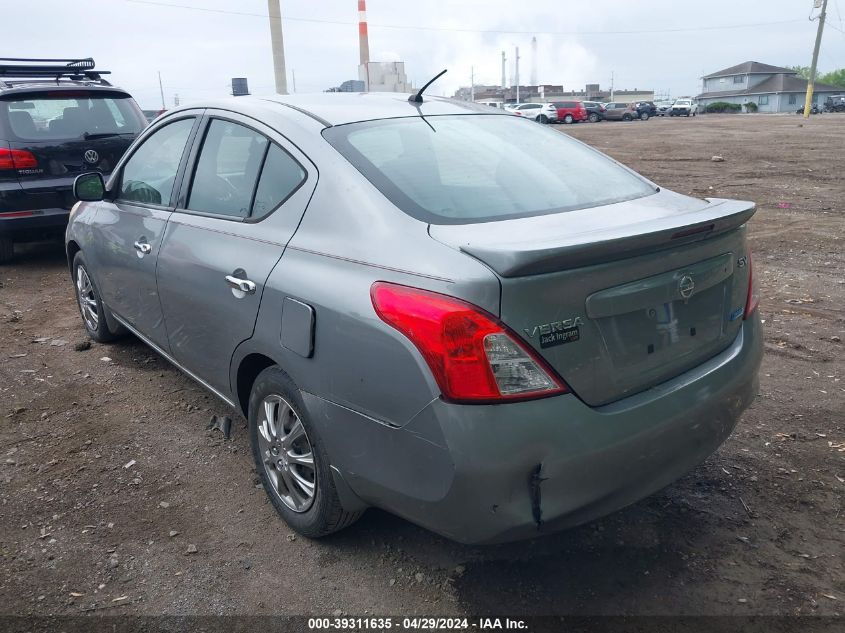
30 68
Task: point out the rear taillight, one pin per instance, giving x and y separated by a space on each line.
474 357
17 159
753 297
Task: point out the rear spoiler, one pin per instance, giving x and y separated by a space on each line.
614 241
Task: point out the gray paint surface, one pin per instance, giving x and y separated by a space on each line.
634 420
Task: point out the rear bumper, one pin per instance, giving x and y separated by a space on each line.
29 209
483 474
33 224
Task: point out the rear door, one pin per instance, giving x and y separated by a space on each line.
240 205
128 229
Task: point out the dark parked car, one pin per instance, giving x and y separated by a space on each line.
646 109
835 103
595 111
58 118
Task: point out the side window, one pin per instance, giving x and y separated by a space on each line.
279 179
227 169
149 174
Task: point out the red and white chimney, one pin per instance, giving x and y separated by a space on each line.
363 40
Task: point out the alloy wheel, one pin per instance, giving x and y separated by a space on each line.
87 300
286 453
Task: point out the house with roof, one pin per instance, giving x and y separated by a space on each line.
772 88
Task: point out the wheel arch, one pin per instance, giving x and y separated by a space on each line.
247 371
71 248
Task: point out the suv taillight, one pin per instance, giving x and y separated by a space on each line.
17 159
474 357
752 300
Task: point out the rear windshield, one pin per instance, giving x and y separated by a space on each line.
462 169
69 115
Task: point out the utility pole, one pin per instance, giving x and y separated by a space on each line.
275 14
293 78
516 72
611 85
472 83
161 90
808 102
504 80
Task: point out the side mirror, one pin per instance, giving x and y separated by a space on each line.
89 187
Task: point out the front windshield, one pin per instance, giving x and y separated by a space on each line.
460 169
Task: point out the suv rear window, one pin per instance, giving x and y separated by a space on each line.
64 115
462 169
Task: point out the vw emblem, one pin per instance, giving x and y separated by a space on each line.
92 156
686 286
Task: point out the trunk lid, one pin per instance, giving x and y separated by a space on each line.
622 297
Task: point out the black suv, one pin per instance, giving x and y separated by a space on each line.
58 118
646 109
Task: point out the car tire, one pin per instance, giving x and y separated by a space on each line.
594 118
90 304
627 117
544 119
568 119
7 249
644 116
280 429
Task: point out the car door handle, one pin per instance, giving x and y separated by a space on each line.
143 247
244 285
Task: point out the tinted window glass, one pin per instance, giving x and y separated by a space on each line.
227 170
149 174
480 168
279 178
46 117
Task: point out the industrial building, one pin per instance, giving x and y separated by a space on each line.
373 76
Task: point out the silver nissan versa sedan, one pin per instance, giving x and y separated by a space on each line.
456 315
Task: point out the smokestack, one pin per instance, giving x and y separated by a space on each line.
363 40
504 79
278 46
534 61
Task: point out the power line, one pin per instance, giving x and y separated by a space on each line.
413 27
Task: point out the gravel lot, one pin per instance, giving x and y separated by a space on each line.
116 499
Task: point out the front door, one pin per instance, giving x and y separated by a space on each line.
129 229
237 212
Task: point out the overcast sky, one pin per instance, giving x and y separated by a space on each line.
662 45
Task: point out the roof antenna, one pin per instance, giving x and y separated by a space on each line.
417 98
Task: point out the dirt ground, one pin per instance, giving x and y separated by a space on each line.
109 479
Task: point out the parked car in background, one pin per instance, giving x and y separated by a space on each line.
615 111
58 118
563 112
645 109
663 107
595 111
683 107
527 110
152 114
480 324
834 103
